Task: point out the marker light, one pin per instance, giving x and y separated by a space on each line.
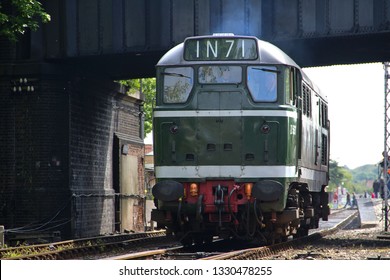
194 189
265 128
173 129
248 190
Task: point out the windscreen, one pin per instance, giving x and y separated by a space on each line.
178 83
262 83
220 74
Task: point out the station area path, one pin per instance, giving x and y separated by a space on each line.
367 212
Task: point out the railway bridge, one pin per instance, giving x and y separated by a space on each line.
125 38
70 142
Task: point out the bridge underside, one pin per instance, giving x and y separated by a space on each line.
125 39
306 52
338 50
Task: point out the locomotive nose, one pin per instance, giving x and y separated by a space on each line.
168 190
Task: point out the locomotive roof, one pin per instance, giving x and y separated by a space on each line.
267 54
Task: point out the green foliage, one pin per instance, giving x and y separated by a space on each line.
18 15
365 172
148 87
353 180
336 176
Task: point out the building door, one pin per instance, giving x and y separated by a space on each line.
128 182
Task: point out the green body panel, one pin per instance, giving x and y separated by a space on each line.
226 141
277 147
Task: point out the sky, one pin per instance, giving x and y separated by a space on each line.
356 111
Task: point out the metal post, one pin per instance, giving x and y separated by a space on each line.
1 237
386 153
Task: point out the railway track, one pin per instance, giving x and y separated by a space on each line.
181 252
156 245
73 249
265 251
213 251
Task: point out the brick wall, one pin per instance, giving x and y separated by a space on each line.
33 155
57 151
7 49
97 114
91 130
7 146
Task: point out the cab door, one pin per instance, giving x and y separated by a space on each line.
219 127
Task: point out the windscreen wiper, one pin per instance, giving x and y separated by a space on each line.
175 75
266 70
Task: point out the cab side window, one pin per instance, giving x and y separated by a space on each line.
262 83
178 83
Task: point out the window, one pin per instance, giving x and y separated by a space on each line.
262 83
324 149
288 86
178 83
220 74
324 114
306 100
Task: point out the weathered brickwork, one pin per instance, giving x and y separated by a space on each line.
57 154
91 130
7 49
7 146
97 114
33 155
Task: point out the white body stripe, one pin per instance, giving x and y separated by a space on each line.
311 174
227 171
234 171
226 113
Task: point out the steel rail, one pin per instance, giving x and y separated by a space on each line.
265 251
62 249
145 254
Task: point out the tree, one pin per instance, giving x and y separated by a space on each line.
339 176
353 180
16 16
148 87
366 172
335 175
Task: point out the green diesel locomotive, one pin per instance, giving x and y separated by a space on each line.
241 142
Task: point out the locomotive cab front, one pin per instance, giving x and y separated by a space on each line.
228 141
